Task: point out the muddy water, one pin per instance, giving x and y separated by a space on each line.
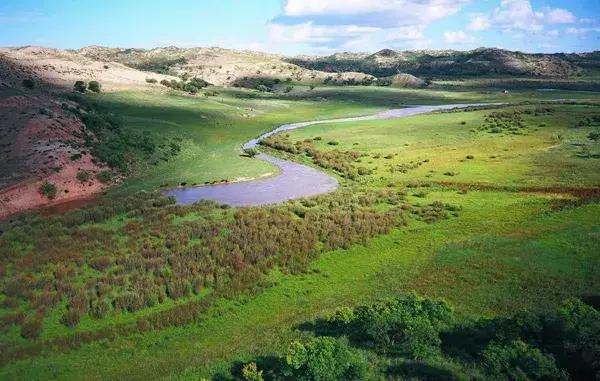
294 180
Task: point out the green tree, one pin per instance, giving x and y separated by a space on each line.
83 176
519 361
48 189
406 326
80 86
95 86
324 359
28 83
250 372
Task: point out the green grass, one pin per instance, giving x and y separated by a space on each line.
212 130
508 250
406 260
545 154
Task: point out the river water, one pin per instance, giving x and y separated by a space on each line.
294 180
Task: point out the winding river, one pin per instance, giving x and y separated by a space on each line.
294 180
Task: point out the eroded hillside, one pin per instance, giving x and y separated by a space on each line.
448 63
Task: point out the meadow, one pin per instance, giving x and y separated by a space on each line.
493 210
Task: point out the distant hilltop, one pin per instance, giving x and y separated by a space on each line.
228 67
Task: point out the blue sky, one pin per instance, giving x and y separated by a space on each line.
305 26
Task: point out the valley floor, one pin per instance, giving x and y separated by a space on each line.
493 210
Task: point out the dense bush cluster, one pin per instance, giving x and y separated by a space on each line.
406 167
48 189
589 121
192 86
158 64
510 121
263 84
414 338
339 161
119 147
72 264
338 80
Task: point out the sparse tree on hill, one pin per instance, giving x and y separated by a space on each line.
80 86
95 86
28 83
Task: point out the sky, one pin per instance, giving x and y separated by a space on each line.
294 27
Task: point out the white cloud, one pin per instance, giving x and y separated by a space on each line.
517 14
319 34
478 22
458 37
360 24
582 32
513 15
559 16
412 32
321 7
402 9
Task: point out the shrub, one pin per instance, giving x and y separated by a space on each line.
71 317
250 372
250 152
324 358
288 89
407 326
100 263
94 86
99 308
151 80
83 176
594 136
470 157
520 361
104 176
80 86
28 83
48 189
333 143
32 327
262 88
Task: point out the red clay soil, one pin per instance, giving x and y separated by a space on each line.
36 150
25 195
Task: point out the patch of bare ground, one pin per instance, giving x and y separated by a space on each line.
39 144
61 68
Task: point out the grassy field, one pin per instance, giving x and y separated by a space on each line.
518 239
213 128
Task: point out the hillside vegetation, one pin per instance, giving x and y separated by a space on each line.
448 63
460 245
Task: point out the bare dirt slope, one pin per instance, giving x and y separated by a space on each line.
61 68
218 66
